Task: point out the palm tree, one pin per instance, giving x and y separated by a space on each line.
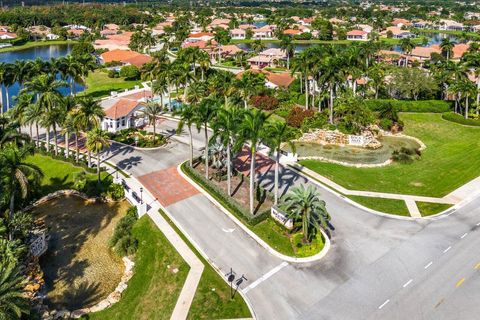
33 115
468 89
289 48
21 71
187 118
205 112
257 46
88 118
225 128
305 204
13 303
70 69
68 104
407 46
97 141
46 87
249 84
17 172
3 69
8 79
447 47
276 135
151 111
253 131
160 87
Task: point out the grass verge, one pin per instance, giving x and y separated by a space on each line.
154 288
390 206
99 85
212 299
428 208
451 159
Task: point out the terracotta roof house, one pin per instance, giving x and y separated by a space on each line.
265 32
357 35
199 36
111 26
121 115
398 33
446 24
7 35
126 57
4 28
291 32
273 80
459 50
267 58
398 22
365 27
43 32
246 26
114 42
424 53
238 33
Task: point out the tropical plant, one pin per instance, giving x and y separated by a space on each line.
305 204
204 113
13 303
151 111
187 118
87 117
97 141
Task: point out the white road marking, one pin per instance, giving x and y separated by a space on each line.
464 235
265 276
384 304
446 250
478 224
428 265
407 283
228 230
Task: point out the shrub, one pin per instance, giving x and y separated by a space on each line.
318 120
112 74
115 192
437 106
264 102
284 110
385 124
297 115
122 240
455 117
130 73
405 155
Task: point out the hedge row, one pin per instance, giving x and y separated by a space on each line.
455 117
224 199
437 106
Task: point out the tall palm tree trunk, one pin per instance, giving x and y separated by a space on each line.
154 129
12 203
55 139
229 171
89 159
331 105
306 92
466 107
252 178
98 167
38 136
47 146
277 167
305 226
7 96
191 145
67 145
77 158
206 151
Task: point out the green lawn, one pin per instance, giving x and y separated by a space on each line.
58 175
428 209
453 32
100 85
212 299
452 158
32 44
391 206
154 288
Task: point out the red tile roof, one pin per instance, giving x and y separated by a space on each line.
126 56
121 108
291 31
356 33
283 79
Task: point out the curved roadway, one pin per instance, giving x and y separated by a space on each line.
377 267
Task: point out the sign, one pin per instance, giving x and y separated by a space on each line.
356 140
281 217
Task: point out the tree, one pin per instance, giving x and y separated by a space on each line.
257 46
253 131
70 69
289 48
13 303
17 173
276 134
305 204
187 118
151 111
407 46
226 129
249 84
447 47
222 36
204 113
97 141
88 117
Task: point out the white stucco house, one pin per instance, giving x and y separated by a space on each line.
123 114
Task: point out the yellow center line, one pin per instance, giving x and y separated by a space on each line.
477 266
460 282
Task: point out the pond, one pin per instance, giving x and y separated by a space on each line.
79 268
44 53
355 155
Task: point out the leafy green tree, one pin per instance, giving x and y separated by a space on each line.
407 46
13 304
151 111
305 204
204 113
187 118
447 47
97 141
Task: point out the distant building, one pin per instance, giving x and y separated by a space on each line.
122 115
238 34
357 35
125 57
7 35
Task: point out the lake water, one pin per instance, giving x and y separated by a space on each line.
42 52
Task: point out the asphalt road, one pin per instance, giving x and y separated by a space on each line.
377 267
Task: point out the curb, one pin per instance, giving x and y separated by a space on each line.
446 212
138 148
261 242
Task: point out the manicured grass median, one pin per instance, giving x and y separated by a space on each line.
428 209
154 288
391 206
452 158
100 85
